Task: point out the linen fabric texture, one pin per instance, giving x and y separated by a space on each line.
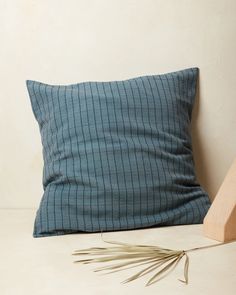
117 154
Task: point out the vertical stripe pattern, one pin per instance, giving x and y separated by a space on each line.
117 155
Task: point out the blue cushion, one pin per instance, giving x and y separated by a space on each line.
117 155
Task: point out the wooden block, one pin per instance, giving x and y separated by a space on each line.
220 222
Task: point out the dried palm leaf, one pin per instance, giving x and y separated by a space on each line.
160 259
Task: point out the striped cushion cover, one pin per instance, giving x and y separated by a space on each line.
117 155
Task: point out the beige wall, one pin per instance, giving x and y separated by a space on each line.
68 41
